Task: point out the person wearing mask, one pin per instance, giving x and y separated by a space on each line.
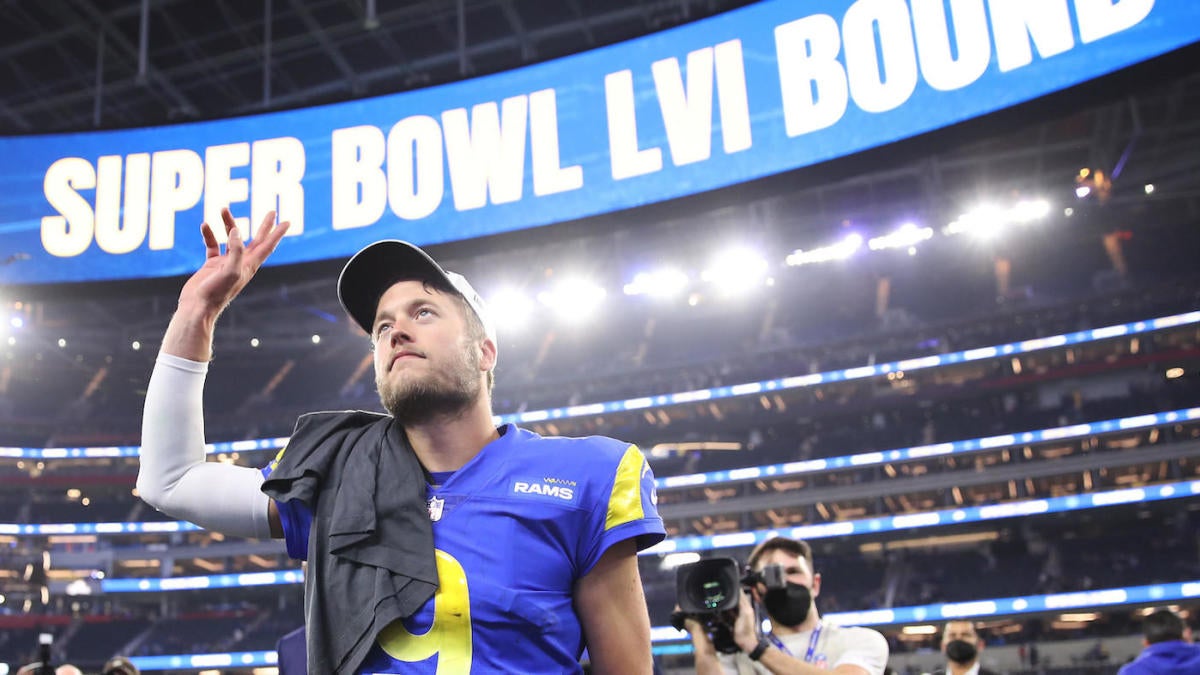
799 642
963 647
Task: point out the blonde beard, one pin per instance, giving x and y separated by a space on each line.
445 394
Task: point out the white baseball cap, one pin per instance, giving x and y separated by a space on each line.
375 268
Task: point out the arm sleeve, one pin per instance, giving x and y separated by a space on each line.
174 476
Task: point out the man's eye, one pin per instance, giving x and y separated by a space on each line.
383 328
424 312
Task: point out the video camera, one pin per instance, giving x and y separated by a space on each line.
707 591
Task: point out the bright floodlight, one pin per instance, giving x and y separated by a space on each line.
316 339
905 236
988 221
672 560
1083 191
17 322
1029 210
664 283
573 299
1149 188
736 270
839 251
509 308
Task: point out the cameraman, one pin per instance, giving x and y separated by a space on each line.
799 641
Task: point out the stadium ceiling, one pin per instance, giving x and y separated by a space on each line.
72 65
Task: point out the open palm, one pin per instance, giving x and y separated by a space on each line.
224 275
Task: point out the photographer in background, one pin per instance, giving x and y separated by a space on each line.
799 641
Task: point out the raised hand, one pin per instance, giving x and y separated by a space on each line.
224 275
218 281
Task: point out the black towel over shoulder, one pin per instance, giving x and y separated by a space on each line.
370 548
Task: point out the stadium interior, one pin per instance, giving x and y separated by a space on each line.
965 367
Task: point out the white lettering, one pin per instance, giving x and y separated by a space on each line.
686 111
873 89
1101 18
357 155
111 235
176 184
69 233
732 98
221 189
1014 22
276 171
486 157
812 80
558 491
627 159
415 184
549 176
972 41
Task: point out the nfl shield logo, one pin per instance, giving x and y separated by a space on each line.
435 508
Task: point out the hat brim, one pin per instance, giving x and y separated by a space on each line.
375 269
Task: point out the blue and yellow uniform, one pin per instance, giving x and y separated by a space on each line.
514 530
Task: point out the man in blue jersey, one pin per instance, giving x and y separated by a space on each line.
436 542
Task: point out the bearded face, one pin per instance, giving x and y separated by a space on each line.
442 392
427 362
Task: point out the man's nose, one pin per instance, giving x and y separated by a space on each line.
400 334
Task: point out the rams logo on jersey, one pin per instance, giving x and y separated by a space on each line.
553 489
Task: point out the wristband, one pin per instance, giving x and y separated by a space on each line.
759 650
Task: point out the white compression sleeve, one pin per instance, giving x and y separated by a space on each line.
174 476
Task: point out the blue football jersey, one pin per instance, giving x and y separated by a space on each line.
514 530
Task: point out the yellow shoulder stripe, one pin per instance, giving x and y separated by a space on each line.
625 502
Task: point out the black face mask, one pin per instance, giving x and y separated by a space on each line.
788 606
961 651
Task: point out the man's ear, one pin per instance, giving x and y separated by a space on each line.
487 360
816 584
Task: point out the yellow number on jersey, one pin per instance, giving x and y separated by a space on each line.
450 635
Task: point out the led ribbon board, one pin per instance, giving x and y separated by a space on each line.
766 386
756 91
1108 597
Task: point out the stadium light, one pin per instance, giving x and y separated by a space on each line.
574 300
735 271
62 343
510 308
907 235
316 339
1149 188
988 221
1029 210
254 342
1082 191
672 560
136 346
839 251
663 283
16 322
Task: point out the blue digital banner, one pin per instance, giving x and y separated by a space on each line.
662 636
705 543
844 528
764 89
778 384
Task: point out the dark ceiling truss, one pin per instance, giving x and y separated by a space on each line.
80 64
